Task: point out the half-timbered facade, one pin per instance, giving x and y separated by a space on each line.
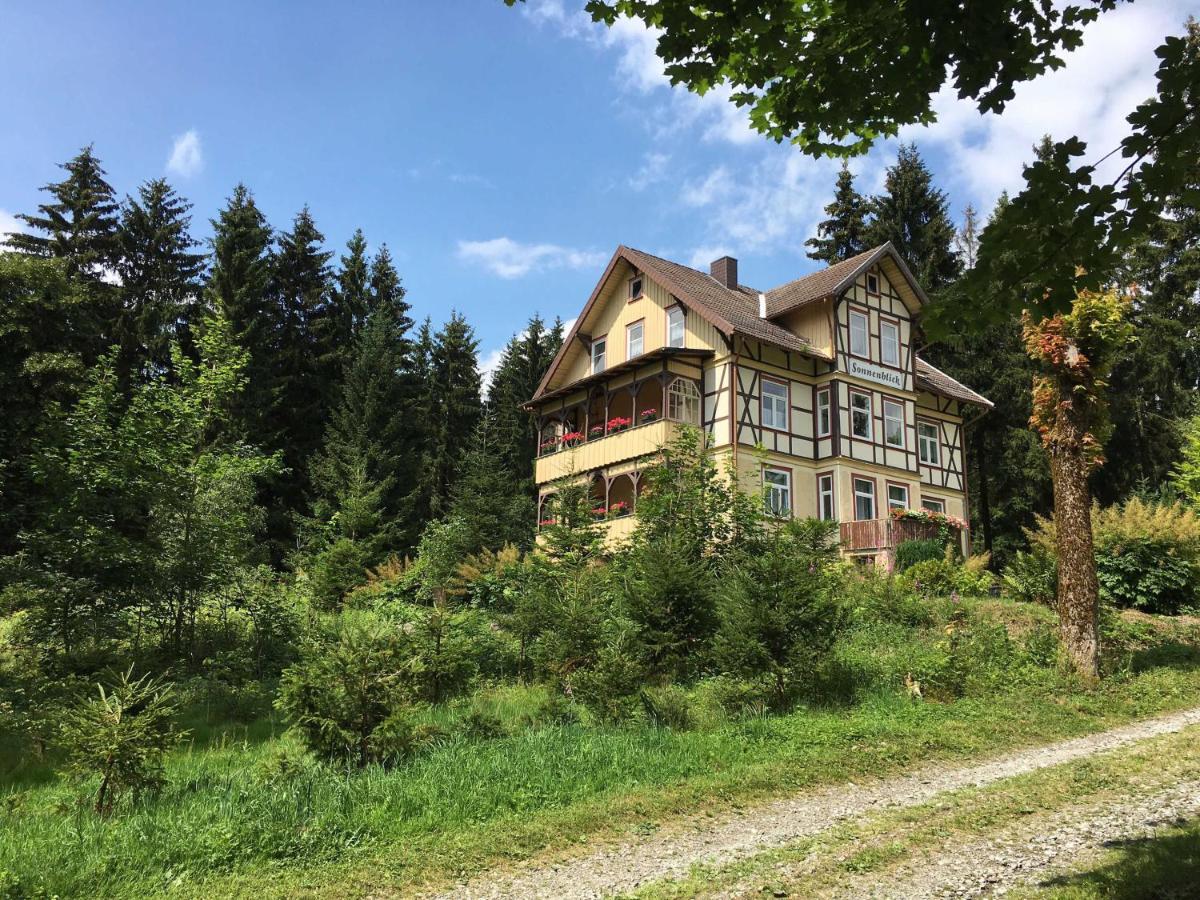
814 390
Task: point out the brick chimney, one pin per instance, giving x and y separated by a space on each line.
725 271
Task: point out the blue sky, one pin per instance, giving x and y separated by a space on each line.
501 153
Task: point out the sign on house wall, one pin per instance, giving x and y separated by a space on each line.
879 374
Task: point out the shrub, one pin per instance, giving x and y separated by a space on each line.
610 683
908 553
1147 553
335 571
940 577
1032 577
121 735
778 616
347 694
668 706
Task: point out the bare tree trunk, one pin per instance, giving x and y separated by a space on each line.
1078 589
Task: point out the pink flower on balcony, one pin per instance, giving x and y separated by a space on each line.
571 438
648 415
618 509
545 523
548 446
599 512
595 431
619 423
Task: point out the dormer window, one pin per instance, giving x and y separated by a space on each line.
598 346
635 287
872 283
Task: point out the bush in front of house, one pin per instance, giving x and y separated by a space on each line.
909 553
1147 554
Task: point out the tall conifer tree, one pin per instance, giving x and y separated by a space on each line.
843 234
160 276
915 217
80 224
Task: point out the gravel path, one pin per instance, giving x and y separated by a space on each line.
727 836
1031 853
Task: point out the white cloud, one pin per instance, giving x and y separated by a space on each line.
488 364
187 158
507 258
652 171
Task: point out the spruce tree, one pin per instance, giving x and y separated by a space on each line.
495 508
239 289
843 234
451 394
80 224
160 276
305 360
522 365
384 290
915 217
364 470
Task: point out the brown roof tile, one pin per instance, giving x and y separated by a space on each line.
936 381
815 286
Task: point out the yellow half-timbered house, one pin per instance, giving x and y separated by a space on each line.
813 390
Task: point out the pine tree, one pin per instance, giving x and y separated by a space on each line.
915 217
843 234
305 361
496 508
80 225
386 292
160 276
364 470
522 365
239 288
453 407
1008 474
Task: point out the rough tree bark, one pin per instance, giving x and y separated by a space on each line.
1078 589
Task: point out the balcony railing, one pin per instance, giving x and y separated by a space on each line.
615 446
886 534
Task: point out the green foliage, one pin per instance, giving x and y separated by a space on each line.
120 736
336 570
945 576
1187 472
1032 577
778 615
842 235
909 553
348 694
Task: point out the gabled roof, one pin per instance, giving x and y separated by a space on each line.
936 381
731 311
836 278
735 310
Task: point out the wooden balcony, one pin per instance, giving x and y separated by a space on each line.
615 447
884 534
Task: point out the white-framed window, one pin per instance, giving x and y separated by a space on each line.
860 415
893 423
897 496
933 504
675 330
825 501
864 499
634 339
928 446
860 345
777 491
774 405
635 287
683 401
598 348
824 413
889 343
872 283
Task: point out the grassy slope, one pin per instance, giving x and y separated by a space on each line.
222 829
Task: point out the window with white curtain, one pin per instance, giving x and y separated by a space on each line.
777 491
683 401
859 327
774 405
675 330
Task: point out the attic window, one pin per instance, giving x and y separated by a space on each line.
872 283
635 287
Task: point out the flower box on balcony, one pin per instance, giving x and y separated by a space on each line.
546 523
548 446
647 415
596 431
618 509
618 423
599 513
571 438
